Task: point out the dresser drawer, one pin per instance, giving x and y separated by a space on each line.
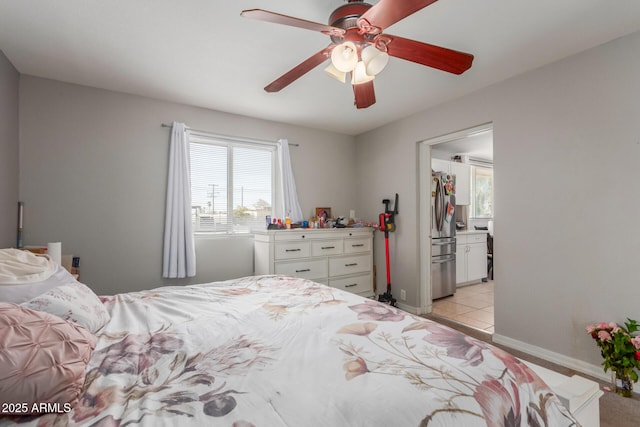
292 250
326 247
353 246
348 265
297 234
307 269
355 284
477 238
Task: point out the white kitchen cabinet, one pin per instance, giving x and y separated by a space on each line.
439 165
462 171
471 257
338 257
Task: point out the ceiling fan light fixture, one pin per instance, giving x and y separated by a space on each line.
356 33
359 74
341 76
374 59
345 57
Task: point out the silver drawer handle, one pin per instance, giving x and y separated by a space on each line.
351 265
357 246
328 247
351 285
292 250
303 271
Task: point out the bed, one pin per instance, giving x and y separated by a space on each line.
262 351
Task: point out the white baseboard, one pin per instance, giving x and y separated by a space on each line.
557 358
408 308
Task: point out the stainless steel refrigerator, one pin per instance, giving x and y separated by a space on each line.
443 235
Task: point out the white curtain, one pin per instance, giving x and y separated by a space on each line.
289 193
179 249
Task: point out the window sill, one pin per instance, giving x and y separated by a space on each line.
203 235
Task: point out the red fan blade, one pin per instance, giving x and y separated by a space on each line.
276 18
365 96
300 70
387 12
438 57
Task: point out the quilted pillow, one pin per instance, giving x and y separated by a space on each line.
74 302
43 358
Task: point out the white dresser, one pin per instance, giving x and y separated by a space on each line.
338 257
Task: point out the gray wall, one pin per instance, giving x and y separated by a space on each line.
566 156
93 176
9 82
566 150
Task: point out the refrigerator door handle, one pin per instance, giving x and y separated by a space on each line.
439 243
439 202
440 261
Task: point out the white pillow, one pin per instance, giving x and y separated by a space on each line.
73 302
21 292
17 266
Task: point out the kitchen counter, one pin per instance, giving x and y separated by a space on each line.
471 231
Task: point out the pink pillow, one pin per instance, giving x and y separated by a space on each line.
42 358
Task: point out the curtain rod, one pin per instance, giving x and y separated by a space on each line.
164 125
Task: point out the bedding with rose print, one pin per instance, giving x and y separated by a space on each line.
284 351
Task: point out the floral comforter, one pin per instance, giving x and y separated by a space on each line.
282 351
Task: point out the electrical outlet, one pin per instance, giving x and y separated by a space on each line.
403 295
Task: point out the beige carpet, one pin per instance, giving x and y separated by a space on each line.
615 411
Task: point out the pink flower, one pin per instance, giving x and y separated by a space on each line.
636 343
520 371
590 328
362 329
602 325
458 345
604 336
355 367
500 405
373 310
137 352
95 400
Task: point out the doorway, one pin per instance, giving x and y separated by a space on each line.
469 155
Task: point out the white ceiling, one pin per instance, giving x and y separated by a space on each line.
202 53
478 146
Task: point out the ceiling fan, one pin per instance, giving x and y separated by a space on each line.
359 46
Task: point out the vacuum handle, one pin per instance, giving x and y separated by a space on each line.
395 205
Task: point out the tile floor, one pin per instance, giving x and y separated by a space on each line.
471 305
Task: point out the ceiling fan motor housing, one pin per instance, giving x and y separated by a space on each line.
346 17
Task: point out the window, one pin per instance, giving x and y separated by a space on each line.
482 192
232 184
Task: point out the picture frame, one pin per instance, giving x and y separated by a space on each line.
322 211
